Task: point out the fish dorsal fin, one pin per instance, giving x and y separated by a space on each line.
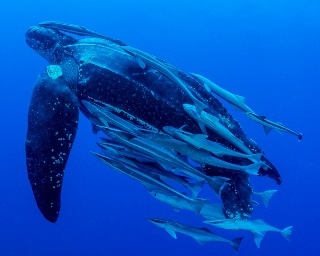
240 98
261 221
262 118
199 137
183 126
172 233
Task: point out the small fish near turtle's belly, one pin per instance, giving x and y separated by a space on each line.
143 94
151 97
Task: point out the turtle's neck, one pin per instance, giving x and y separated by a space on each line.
70 72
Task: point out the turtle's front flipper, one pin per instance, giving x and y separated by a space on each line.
52 126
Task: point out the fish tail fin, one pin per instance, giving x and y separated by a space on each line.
286 233
266 196
235 243
198 204
195 188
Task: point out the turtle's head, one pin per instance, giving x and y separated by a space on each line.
48 42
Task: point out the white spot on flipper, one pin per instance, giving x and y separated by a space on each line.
54 71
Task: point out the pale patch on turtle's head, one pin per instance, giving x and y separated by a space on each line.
48 42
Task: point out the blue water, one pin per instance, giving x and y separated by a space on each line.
267 51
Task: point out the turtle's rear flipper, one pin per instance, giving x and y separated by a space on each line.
52 126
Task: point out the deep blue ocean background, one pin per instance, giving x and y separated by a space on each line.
268 51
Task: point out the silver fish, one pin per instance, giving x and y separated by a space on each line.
201 235
163 69
201 141
235 100
269 125
149 181
204 157
212 122
258 228
167 158
209 211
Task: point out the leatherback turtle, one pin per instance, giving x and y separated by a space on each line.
146 91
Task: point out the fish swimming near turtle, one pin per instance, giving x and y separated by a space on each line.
127 94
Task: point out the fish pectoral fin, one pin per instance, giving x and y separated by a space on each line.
206 87
182 127
257 237
172 233
203 128
141 63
